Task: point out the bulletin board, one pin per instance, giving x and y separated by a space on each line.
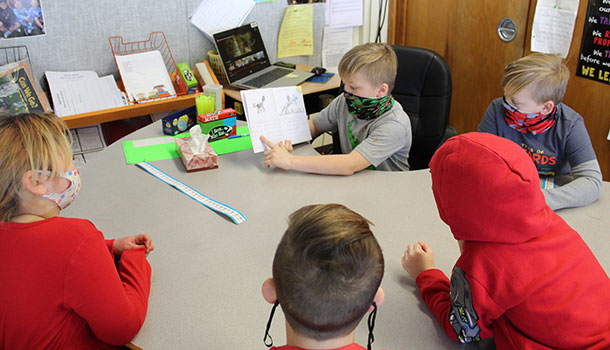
594 58
77 32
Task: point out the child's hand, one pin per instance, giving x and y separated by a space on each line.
132 242
278 155
417 259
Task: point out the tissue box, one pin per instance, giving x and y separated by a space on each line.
196 162
180 121
220 124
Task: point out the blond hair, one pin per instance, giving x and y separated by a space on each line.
29 142
376 62
546 74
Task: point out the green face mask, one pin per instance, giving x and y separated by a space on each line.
367 108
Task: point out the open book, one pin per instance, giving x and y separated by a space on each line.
276 113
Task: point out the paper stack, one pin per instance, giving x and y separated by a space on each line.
82 91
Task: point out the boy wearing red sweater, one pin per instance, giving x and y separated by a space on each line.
524 276
326 275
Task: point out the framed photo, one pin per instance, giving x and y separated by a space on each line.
21 18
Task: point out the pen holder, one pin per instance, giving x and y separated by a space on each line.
205 104
216 92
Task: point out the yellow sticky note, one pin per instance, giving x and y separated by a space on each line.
292 75
296 32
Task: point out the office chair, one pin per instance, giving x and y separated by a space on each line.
423 88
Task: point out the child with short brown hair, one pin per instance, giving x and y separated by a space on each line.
326 275
374 130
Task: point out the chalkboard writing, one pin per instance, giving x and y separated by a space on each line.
594 59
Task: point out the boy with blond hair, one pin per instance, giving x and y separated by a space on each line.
326 275
554 135
374 130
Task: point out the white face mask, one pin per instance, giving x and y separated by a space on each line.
64 199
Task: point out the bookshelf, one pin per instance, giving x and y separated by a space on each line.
135 110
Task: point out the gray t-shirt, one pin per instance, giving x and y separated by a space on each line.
384 142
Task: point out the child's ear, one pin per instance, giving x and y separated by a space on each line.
383 90
547 107
36 187
269 291
379 298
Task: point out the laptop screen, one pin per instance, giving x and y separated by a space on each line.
242 51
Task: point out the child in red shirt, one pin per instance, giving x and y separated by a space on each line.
326 275
524 276
60 287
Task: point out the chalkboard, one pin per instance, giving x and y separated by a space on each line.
594 59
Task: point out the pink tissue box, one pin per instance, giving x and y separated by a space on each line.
195 162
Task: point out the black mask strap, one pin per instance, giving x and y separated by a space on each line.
270 344
371 324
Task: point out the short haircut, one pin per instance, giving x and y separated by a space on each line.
29 142
546 74
376 62
327 269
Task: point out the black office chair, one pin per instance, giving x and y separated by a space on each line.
423 88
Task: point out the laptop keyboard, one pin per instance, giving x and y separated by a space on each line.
268 77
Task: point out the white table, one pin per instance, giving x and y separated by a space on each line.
207 271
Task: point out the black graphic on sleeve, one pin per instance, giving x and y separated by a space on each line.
463 317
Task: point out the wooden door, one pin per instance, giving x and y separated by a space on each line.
464 32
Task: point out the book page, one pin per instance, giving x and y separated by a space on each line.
278 114
81 92
145 76
293 118
262 117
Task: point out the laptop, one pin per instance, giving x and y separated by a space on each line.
246 62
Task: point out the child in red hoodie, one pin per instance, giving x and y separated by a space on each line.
326 275
524 276
60 288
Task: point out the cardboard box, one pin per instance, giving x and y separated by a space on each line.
219 125
179 122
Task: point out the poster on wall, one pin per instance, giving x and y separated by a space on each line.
594 59
21 18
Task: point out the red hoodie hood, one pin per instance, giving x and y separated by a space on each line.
487 189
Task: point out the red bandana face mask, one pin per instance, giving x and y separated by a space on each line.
534 123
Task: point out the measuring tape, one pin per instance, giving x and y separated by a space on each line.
233 214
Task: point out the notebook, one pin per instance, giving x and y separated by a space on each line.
246 62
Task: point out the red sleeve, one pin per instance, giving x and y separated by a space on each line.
113 307
110 246
434 289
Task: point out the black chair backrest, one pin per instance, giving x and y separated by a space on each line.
423 88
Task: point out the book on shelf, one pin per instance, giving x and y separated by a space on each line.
19 92
82 91
145 76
